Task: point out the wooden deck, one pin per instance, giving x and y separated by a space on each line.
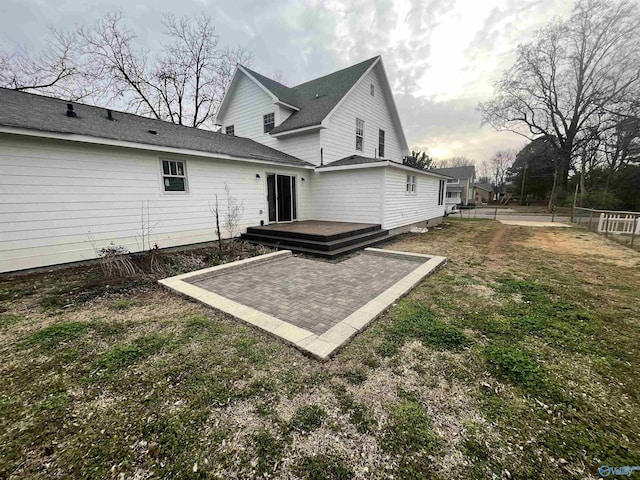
317 237
316 227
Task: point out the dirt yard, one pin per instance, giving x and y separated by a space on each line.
519 359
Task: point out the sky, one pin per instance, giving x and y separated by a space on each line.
441 56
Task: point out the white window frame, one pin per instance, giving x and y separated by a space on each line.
163 176
381 144
230 127
411 186
360 134
264 122
453 180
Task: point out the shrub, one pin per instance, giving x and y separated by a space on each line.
115 261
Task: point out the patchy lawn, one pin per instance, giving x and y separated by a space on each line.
518 359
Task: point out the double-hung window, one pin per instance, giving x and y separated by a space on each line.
230 130
359 134
174 176
411 184
381 143
269 121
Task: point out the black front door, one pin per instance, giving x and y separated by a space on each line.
281 197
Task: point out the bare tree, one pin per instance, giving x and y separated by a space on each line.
54 72
499 166
455 162
279 77
184 83
574 70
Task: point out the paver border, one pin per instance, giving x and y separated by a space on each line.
321 346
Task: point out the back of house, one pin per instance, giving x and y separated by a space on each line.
79 178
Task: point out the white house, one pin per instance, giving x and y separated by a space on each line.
460 185
77 178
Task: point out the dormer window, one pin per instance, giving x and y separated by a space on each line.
230 130
372 90
269 122
359 134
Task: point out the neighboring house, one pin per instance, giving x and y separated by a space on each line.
460 187
77 178
484 193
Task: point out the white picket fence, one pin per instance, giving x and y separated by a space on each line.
611 222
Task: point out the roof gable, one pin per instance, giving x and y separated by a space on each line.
318 98
45 114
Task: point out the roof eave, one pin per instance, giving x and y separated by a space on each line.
310 128
354 166
140 146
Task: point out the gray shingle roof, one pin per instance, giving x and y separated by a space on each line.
353 160
457 172
315 98
359 160
35 112
484 186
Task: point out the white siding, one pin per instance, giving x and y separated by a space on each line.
248 104
349 195
339 139
401 208
57 198
303 146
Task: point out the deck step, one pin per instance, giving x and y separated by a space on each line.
311 236
328 253
288 242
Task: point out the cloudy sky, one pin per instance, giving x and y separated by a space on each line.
441 56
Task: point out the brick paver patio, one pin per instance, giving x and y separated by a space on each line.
313 305
310 294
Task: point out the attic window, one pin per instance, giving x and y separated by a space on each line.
372 90
359 134
230 130
269 121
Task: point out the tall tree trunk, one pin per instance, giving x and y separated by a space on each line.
552 198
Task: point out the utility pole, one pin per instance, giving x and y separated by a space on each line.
575 200
524 176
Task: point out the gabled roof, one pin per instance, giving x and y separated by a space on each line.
484 186
457 172
46 114
318 97
281 92
314 101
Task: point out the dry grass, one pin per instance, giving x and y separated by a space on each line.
518 359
